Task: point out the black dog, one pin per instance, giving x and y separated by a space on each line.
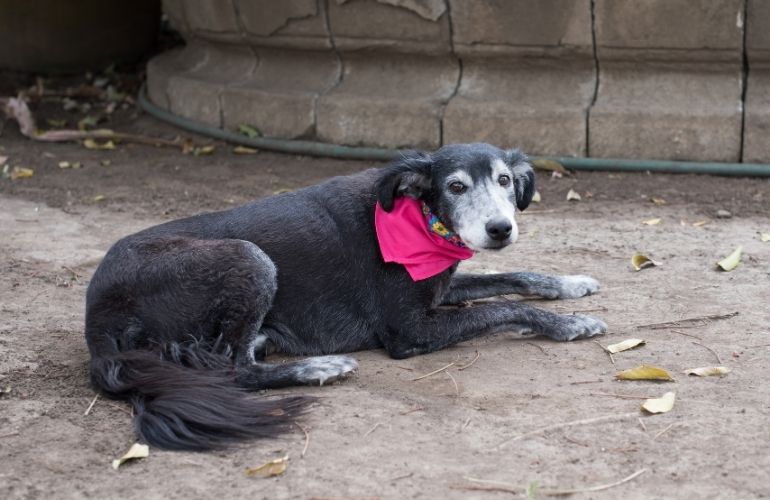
180 316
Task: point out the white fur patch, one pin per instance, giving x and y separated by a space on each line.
573 287
322 369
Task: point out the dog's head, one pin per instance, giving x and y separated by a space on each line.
473 188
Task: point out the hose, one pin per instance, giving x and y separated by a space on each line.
313 148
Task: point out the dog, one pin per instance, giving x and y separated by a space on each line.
180 316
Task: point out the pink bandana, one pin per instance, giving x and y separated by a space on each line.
410 235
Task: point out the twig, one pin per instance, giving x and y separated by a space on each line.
403 476
457 389
463 367
9 434
663 431
486 485
372 429
127 411
667 324
612 360
575 441
687 334
405 368
93 402
641 422
407 412
755 346
719 360
585 421
466 424
621 396
434 371
580 382
307 439
542 349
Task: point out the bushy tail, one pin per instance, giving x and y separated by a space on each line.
187 399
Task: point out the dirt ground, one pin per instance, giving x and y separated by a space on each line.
382 434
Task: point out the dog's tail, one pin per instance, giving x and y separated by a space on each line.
186 398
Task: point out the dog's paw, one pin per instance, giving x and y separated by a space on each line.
572 287
322 370
576 326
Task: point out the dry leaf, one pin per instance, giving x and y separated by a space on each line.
700 223
56 123
21 173
272 468
105 163
572 195
661 404
137 450
99 197
658 201
536 197
652 222
763 237
248 131
731 261
243 150
550 165
708 371
625 345
204 150
644 372
92 144
639 262
3 159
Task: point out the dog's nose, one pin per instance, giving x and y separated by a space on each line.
499 229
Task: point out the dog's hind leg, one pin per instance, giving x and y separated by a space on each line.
478 286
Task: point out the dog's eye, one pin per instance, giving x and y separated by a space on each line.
457 187
504 180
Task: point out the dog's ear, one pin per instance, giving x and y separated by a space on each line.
410 176
523 178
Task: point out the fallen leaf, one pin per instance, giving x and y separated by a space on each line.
661 404
56 123
105 163
272 468
536 197
651 222
763 237
65 164
708 371
3 159
644 372
137 450
69 104
640 261
99 197
243 150
248 131
731 261
5 390
21 173
572 195
700 223
625 345
88 122
658 201
92 144
550 165
204 150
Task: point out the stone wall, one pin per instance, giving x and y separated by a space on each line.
661 79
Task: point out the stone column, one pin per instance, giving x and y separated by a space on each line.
528 74
670 80
756 138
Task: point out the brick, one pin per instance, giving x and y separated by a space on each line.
163 66
388 101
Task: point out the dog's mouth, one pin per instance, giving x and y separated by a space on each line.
496 245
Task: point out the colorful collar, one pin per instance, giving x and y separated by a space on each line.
438 227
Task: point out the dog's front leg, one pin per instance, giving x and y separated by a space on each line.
440 328
479 286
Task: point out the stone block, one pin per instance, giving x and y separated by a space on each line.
211 16
535 104
196 93
163 66
669 29
756 146
667 111
388 101
522 26
392 26
279 99
291 24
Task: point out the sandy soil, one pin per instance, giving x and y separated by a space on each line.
381 434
